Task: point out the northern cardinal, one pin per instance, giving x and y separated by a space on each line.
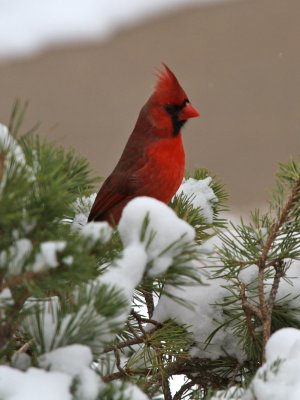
153 160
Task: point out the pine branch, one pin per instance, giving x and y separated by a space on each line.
249 310
17 116
149 300
118 362
16 280
266 306
144 338
2 160
200 370
279 268
166 387
145 320
275 230
124 374
5 334
266 242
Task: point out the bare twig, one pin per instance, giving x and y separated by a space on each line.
25 347
146 320
249 309
166 388
182 366
145 338
139 321
118 362
122 374
126 343
279 268
149 301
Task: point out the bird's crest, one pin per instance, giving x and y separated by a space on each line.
168 89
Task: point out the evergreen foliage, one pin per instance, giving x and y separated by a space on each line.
52 295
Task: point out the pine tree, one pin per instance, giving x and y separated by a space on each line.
91 312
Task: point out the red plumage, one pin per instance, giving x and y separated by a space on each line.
153 160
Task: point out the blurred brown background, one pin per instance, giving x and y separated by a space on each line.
239 62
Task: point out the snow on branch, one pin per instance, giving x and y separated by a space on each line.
10 147
200 195
278 378
152 236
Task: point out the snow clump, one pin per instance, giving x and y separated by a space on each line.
15 257
34 384
82 208
202 318
74 360
152 247
47 256
200 195
62 366
278 378
164 237
97 231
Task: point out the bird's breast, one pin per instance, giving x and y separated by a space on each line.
164 169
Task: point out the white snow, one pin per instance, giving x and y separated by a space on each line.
31 25
202 318
10 146
46 324
14 157
233 393
54 382
166 234
152 254
15 257
21 360
278 378
132 392
127 271
50 329
97 231
6 299
34 384
283 344
68 260
200 195
47 257
249 274
74 360
14 160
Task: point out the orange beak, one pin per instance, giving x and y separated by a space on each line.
187 112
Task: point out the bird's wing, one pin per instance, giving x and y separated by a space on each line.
117 188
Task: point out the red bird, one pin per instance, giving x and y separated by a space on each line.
153 161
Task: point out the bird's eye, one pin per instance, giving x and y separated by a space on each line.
174 109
